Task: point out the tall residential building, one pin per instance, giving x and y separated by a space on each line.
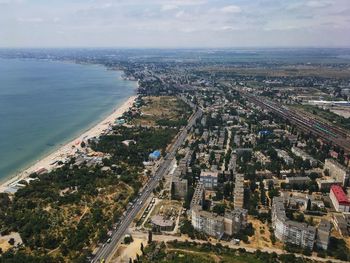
209 223
235 220
179 185
289 231
215 225
179 188
238 193
323 234
337 171
198 196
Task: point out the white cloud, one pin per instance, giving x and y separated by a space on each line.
231 9
169 7
160 22
180 14
227 28
30 20
318 3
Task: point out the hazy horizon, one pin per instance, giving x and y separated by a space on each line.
168 24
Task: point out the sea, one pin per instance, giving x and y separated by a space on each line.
45 104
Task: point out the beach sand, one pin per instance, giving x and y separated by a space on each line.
71 147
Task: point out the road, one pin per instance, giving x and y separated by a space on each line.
106 252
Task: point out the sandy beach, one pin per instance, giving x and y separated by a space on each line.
71 147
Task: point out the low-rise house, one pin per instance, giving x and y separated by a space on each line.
262 158
159 223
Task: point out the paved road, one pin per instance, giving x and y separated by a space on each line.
106 252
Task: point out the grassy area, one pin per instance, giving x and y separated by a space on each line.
163 111
191 252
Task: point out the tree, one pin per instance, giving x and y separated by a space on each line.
149 236
142 249
219 209
308 207
11 241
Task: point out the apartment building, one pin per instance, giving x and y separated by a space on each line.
337 171
235 220
339 199
238 193
209 179
207 222
323 234
289 231
305 156
285 156
198 196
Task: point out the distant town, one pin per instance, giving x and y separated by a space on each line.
218 159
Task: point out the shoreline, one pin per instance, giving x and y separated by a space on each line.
68 149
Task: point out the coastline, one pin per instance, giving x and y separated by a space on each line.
69 148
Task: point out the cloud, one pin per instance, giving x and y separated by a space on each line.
169 7
231 9
170 22
180 14
318 3
30 20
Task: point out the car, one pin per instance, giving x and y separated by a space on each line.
109 240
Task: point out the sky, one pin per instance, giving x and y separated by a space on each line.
174 23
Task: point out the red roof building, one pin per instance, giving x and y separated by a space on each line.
339 199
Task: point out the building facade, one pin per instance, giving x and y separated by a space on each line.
339 199
289 231
323 234
238 193
337 171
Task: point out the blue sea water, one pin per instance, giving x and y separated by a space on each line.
44 104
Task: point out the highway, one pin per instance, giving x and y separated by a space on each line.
106 252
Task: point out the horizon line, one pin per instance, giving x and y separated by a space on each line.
177 48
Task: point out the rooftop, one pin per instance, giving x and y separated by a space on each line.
339 194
